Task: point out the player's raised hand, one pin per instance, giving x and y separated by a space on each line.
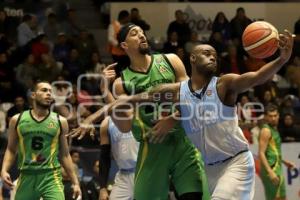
7 180
286 42
109 74
85 127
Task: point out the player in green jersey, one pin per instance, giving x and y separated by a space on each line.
175 157
38 135
271 158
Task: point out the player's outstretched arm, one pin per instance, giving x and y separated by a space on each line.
66 160
241 83
11 151
126 104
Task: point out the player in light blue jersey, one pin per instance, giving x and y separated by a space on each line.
124 149
208 115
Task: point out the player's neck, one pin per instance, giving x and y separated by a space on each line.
140 62
199 82
39 112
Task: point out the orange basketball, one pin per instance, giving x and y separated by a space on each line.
260 39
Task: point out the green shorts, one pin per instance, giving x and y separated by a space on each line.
36 184
176 160
272 191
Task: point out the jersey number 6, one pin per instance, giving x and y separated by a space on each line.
37 143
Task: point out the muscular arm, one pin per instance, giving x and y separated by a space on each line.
241 83
178 67
12 146
64 154
264 139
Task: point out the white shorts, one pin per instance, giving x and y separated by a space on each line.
123 186
233 179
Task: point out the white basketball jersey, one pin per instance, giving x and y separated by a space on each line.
124 147
211 125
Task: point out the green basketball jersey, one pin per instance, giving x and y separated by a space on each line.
273 151
38 142
160 71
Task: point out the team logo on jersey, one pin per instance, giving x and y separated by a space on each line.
51 125
208 93
162 69
159 60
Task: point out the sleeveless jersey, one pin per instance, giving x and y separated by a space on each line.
124 147
273 151
160 71
38 142
211 125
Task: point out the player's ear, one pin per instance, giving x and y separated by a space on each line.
124 45
192 58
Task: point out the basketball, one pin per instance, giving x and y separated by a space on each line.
260 39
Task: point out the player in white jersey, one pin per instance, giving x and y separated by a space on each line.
208 114
124 149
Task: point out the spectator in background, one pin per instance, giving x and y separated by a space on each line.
49 69
93 186
288 129
39 47
172 44
26 73
287 105
18 107
237 27
253 64
95 64
189 45
232 63
85 47
137 20
217 41
296 49
62 48
246 116
71 27
4 24
52 28
5 44
6 78
26 30
221 25
73 66
116 51
268 98
180 27
185 59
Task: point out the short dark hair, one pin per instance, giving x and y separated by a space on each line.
34 89
240 9
134 9
123 14
271 108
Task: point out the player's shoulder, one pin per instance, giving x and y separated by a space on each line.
15 118
171 56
